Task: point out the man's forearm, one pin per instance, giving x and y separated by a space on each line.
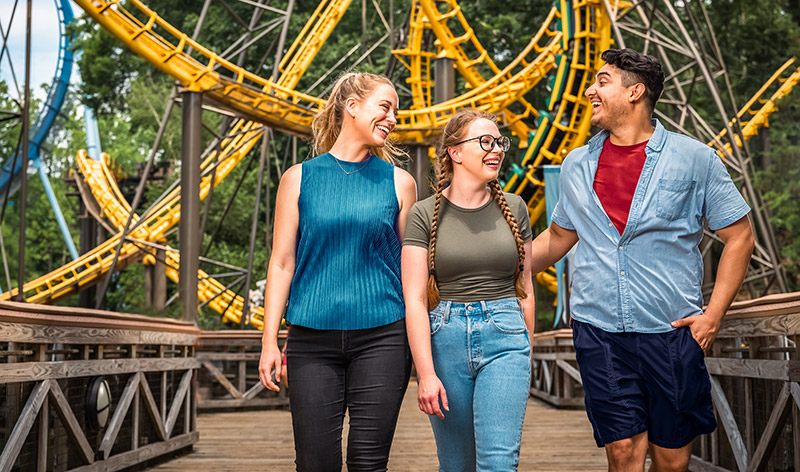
731 271
550 246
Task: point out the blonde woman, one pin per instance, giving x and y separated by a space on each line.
469 300
339 220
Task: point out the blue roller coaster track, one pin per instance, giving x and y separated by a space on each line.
44 122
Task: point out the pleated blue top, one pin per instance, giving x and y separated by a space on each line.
347 273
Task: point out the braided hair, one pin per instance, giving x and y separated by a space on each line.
454 132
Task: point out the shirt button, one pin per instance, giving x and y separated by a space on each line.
620 248
622 273
610 225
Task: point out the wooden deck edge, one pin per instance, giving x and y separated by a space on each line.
142 454
697 464
204 404
26 313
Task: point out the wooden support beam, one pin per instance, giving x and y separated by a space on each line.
41 440
254 390
67 417
548 377
23 426
177 401
767 369
570 370
795 389
152 409
729 424
119 415
220 377
772 432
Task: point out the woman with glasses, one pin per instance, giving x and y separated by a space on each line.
469 300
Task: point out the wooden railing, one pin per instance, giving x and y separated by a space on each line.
755 369
229 375
555 377
50 357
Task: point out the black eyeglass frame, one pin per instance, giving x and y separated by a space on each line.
503 142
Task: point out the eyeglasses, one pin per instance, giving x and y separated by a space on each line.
487 142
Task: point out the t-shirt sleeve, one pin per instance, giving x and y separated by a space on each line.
523 217
723 205
418 227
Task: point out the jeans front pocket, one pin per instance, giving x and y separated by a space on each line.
673 198
508 320
436 320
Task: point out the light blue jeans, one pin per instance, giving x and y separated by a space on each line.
481 354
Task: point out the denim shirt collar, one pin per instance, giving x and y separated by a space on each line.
654 144
652 150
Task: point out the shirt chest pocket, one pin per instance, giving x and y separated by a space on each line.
673 197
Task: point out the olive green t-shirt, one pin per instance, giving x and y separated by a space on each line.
476 254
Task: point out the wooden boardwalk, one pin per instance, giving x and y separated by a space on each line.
552 440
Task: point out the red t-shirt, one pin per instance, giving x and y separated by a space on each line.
618 172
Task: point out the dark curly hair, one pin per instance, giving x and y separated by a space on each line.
638 68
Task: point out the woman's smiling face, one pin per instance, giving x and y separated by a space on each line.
376 114
481 165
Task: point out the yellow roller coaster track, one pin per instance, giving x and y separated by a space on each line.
450 46
565 124
87 269
759 117
116 210
281 107
311 38
419 60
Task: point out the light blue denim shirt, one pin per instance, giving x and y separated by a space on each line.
650 275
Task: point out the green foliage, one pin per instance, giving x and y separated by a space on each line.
755 39
779 183
106 67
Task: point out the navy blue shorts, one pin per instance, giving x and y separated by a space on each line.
637 382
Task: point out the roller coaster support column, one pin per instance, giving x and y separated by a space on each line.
421 169
155 282
444 89
444 76
264 159
23 173
189 234
90 238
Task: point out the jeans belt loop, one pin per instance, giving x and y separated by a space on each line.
485 310
447 305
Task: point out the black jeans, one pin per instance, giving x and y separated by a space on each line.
362 371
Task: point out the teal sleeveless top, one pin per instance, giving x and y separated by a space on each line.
347 262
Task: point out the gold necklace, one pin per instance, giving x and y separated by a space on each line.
366 161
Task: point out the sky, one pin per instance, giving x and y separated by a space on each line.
44 43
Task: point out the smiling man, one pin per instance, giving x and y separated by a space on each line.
635 200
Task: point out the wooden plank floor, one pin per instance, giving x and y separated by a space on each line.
552 440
